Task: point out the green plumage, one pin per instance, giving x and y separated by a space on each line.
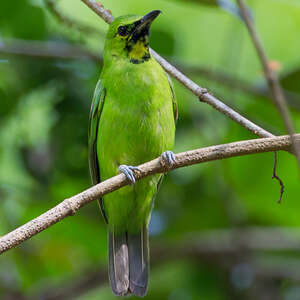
132 121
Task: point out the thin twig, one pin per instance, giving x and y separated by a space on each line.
277 178
71 205
200 92
69 22
46 49
271 77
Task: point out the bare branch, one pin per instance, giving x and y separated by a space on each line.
208 98
45 49
200 92
71 205
98 8
271 77
69 22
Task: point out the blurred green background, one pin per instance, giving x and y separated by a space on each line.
217 231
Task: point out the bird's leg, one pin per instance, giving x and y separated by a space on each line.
128 171
168 158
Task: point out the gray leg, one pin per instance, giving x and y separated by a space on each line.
128 171
168 158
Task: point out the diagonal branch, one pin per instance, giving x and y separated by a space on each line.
69 22
71 205
200 92
208 98
271 77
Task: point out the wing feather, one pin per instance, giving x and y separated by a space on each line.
175 107
95 114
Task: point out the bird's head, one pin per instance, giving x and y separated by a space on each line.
128 38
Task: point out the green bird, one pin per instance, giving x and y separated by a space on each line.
132 120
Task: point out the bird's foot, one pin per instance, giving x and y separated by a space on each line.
168 158
128 171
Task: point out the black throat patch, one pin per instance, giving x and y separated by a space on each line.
137 47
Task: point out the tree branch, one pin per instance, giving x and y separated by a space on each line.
69 22
71 205
46 49
271 77
200 92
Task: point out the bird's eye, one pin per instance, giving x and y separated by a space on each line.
122 30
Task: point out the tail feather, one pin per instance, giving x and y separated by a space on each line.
129 263
138 262
118 264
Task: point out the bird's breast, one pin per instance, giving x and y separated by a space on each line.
138 112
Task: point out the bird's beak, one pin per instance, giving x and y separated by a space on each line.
149 18
145 22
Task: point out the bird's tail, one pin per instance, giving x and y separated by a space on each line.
129 262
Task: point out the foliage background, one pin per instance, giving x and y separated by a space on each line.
43 152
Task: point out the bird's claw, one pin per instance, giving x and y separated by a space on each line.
168 158
128 171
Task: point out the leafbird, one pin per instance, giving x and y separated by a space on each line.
132 120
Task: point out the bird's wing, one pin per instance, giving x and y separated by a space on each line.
175 113
175 108
95 114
